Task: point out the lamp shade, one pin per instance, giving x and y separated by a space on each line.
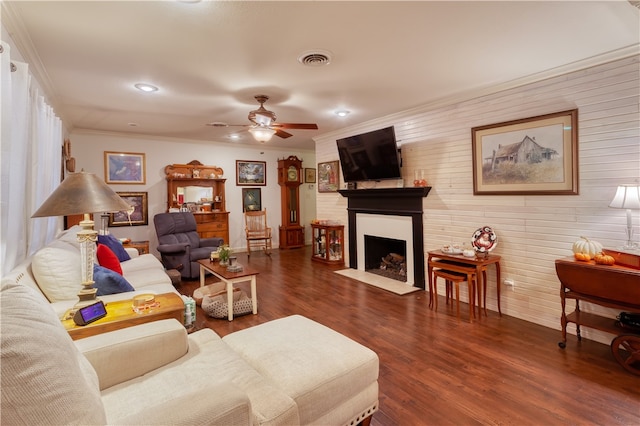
627 197
81 193
262 134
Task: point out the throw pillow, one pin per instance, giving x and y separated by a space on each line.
115 246
109 282
108 259
56 269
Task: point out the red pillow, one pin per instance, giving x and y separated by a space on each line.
108 259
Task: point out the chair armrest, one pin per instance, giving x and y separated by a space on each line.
172 248
124 354
216 404
211 242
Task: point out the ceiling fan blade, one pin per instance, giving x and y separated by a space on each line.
221 124
304 126
282 134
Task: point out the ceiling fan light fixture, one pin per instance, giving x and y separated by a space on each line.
262 134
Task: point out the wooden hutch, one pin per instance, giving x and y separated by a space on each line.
200 189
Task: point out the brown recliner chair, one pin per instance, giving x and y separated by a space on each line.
179 244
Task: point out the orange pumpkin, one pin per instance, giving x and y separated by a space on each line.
582 256
604 259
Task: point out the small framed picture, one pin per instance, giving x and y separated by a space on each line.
251 199
309 175
137 215
124 167
251 173
329 176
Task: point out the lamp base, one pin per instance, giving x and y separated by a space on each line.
86 296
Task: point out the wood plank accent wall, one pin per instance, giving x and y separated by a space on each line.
533 230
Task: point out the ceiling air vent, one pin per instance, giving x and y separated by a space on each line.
315 58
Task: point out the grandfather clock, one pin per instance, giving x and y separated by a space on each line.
290 179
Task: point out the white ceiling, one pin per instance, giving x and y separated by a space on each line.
210 58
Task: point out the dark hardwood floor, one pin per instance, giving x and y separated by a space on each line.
436 370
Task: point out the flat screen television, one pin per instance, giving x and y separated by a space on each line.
370 156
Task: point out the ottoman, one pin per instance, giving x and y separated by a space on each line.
331 378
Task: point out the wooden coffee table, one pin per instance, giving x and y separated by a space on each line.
120 315
230 278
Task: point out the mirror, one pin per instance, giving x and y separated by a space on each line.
194 194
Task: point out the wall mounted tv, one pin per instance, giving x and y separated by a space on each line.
370 156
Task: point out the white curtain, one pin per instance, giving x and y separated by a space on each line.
30 163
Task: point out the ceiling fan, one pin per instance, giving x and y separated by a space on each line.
263 123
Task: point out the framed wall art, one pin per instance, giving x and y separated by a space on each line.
124 167
309 175
251 173
328 176
251 199
138 214
531 156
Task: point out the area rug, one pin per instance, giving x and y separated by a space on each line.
384 283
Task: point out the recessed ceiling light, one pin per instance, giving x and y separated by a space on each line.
342 112
132 124
234 136
146 87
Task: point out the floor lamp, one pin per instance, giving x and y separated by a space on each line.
83 193
627 197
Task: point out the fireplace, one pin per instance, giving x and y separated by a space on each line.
392 213
385 257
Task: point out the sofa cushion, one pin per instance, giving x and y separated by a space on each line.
56 269
208 362
313 364
108 259
109 282
54 386
115 246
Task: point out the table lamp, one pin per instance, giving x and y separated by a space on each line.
83 193
627 197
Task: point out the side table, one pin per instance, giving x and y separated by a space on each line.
141 246
120 315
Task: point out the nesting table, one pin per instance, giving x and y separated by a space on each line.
480 264
230 278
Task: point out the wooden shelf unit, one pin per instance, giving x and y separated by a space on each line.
211 215
328 243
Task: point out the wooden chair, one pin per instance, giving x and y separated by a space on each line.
257 232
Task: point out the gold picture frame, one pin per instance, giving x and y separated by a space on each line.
309 175
124 167
531 156
138 216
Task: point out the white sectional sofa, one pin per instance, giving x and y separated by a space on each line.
289 371
54 271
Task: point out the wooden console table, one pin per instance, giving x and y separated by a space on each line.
120 314
614 286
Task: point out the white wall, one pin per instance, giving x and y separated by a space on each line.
88 149
533 230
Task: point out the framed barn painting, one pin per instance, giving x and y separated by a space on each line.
124 167
531 156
